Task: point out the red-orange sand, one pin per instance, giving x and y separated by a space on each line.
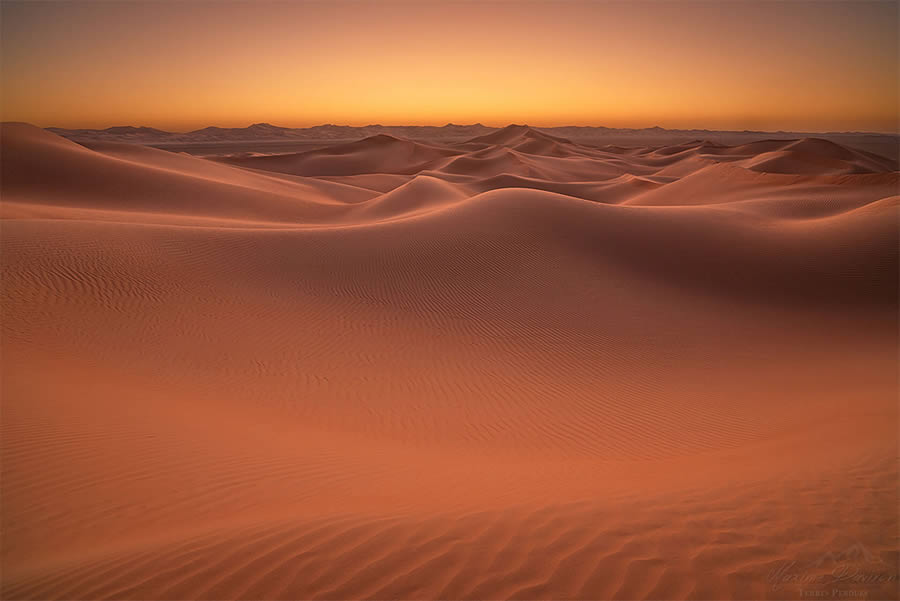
516 367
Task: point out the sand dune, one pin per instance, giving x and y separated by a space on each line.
512 367
219 140
377 154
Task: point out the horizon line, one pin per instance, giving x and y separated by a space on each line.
450 123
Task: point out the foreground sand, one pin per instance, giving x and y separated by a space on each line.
516 367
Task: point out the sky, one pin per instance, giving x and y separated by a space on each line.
717 64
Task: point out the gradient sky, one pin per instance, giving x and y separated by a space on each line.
810 66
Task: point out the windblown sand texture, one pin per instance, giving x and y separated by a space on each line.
516 367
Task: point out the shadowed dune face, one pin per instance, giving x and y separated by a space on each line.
513 367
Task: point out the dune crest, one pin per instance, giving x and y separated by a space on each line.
514 366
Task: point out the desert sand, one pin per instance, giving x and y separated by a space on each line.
513 367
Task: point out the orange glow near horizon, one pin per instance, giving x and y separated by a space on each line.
727 65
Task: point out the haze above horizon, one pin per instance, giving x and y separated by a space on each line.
792 66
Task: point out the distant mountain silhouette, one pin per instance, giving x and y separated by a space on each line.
475 133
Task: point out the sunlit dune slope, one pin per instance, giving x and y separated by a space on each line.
512 367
